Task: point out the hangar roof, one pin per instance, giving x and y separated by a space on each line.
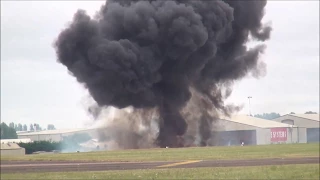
314 117
56 131
10 146
256 122
24 140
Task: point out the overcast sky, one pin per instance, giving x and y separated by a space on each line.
36 89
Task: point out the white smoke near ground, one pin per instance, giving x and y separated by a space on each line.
126 128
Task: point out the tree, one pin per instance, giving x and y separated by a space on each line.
51 127
19 127
7 132
292 113
31 127
268 116
11 125
38 127
310 112
16 127
25 127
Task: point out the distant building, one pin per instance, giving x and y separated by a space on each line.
309 122
11 149
19 132
249 130
26 140
53 135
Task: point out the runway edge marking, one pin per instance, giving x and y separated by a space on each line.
179 163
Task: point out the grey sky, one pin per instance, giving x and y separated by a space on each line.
36 89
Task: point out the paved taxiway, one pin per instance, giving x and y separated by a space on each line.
55 166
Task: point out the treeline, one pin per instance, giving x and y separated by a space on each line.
32 127
10 132
268 116
7 132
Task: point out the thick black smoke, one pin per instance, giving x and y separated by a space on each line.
151 53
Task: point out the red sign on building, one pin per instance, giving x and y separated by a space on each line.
279 134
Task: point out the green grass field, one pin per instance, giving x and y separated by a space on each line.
309 171
170 154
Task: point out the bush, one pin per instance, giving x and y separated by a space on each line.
48 146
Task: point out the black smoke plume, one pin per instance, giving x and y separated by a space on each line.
152 53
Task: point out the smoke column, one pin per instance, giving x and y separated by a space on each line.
167 55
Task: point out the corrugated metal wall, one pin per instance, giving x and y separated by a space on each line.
313 135
13 152
235 138
294 135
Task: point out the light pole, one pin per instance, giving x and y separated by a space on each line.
249 97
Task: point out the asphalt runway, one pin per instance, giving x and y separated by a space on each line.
55 166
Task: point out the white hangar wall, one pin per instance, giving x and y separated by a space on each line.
294 135
301 120
258 131
309 122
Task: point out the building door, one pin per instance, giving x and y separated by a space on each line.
312 135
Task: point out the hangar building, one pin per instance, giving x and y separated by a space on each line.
11 149
230 130
310 122
53 135
255 131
